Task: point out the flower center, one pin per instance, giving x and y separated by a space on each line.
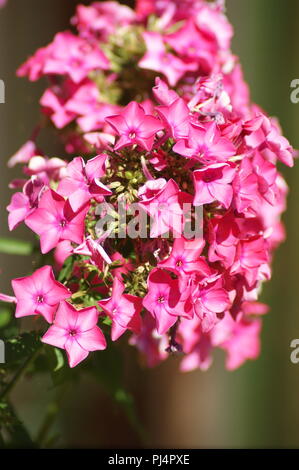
161 299
75 62
72 332
40 299
179 262
62 223
132 135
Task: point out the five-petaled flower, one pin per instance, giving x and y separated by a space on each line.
54 220
134 126
39 294
123 309
76 331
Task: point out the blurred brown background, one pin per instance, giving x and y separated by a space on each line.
256 406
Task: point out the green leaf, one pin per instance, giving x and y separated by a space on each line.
60 359
66 270
11 246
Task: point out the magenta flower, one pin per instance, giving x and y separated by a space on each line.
209 305
73 56
196 345
164 95
158 59
23 204
123 309
134 126
267 175
189 43
39 294
82 182
76 331
166 207
94 249
212 183
251 255
164 300
185 258
23 155
265 133
206 144
54 221
101 19
241 340
175 118
245 186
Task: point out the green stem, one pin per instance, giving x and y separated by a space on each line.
20 372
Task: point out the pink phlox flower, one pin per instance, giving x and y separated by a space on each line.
96 120
134 126
267 133
245 186
158 59
212 183
196 345
76 331
100 20
164 300
39 294
251 255
209 304
23 155
214 25
125 266
151 188
223 238
175 118
82 182
163 94
94 249
22 204
123 309
99 140
84 98
266 174
193 46
74 56
54 103
54 221
62 251
33 68
46 169
158 159
185 258
205 144
167 208
241 340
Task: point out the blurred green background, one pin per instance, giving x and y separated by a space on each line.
255 406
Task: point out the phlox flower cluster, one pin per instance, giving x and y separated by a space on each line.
154 102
